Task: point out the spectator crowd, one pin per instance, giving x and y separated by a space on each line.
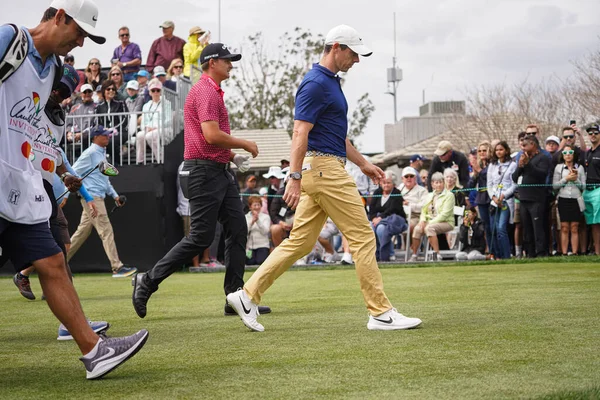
491 203
131 92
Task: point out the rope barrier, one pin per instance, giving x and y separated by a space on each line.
484 189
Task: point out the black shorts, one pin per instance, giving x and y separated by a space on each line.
24 244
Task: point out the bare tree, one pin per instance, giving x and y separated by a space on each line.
585 87
501 111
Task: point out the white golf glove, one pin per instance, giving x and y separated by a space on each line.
242 162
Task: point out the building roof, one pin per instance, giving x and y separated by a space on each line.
273 146
464 138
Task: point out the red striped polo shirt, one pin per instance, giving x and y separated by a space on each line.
204 103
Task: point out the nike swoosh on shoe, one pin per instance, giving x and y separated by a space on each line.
111 351
389 321
244 307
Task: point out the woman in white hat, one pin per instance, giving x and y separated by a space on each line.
153 127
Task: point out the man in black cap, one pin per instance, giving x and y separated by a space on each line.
591 195
212 191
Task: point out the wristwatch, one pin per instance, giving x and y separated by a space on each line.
124 64
64 175
296 175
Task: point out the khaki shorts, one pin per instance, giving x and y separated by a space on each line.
186 225
63 224
329 230
432 230
414 222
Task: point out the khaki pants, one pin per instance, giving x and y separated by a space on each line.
432 230
104 229
327 190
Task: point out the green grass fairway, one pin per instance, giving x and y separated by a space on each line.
529 330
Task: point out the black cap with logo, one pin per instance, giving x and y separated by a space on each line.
593 128
218 50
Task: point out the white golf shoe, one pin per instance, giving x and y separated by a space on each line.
392 320
246 309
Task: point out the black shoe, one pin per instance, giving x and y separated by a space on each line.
229 311
141 294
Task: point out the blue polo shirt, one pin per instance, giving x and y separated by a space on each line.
321 102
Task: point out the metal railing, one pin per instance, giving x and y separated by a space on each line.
138 137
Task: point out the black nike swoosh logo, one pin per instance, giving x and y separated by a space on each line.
94 18
389 321
244 307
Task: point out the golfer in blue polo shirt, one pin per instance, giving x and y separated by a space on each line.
319 186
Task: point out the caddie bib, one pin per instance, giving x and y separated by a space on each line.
22 99
46 153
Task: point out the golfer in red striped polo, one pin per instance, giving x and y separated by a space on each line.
206 182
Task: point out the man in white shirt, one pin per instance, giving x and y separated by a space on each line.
413 195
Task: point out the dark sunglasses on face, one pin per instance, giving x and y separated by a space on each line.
568 152
111 89
124 35
569 136
155 90
593 133
409 176
87 91
177 66
115 74
531 133
94 63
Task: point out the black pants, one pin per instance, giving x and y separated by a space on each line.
533 221
214 196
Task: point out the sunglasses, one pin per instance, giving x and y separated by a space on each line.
482 151
155 90
409 176
115 74
124 35
569 136
593 133
94 63
531 133
110 89
177 66
568 152
88 91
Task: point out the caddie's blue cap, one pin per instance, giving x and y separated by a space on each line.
143 72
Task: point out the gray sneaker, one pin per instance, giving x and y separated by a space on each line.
113 352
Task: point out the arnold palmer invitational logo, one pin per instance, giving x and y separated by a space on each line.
25 115
24 119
